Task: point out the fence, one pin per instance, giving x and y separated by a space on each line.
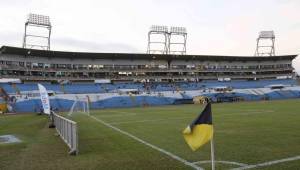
67 129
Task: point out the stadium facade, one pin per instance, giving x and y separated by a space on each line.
128 79
43 65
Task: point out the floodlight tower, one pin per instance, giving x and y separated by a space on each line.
177 40
265 45
161 40
41 22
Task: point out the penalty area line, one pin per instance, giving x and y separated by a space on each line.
148 144
269 163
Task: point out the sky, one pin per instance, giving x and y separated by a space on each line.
215 27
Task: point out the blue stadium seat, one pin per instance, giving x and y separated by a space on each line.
8 88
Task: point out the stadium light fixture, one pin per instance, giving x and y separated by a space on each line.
161 42
265 45
38 21
177 47
158 28
166 41
179 30
266 34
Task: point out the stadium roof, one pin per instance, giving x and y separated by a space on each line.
135 56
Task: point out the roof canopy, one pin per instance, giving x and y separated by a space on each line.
135 56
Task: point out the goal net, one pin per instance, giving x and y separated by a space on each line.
80 105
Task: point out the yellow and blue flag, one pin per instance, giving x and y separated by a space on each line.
200 131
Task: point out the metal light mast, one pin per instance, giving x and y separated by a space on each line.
177 40
33 23
158 40
265 45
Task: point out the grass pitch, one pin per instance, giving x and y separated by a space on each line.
246 133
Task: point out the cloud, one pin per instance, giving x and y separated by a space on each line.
224 27
89 46
11 38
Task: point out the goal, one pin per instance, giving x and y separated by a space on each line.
80 105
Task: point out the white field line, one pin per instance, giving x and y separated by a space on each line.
115 111
254 111
119 115
246 113
148 144
247 110
133 113
178 118
123 113
268 163
224 162
149 120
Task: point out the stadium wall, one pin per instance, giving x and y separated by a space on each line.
29 101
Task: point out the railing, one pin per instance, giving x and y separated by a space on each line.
67 129
138 70
203 77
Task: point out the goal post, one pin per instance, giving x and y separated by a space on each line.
80 105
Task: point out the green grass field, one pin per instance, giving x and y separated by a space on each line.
247 133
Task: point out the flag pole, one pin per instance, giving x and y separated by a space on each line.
212 152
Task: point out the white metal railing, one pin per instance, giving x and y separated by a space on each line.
67 129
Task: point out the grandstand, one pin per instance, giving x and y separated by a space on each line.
109 80
41 65
130 80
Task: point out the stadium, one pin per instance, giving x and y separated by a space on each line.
124 80
128 110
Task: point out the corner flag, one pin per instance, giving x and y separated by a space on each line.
200 131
